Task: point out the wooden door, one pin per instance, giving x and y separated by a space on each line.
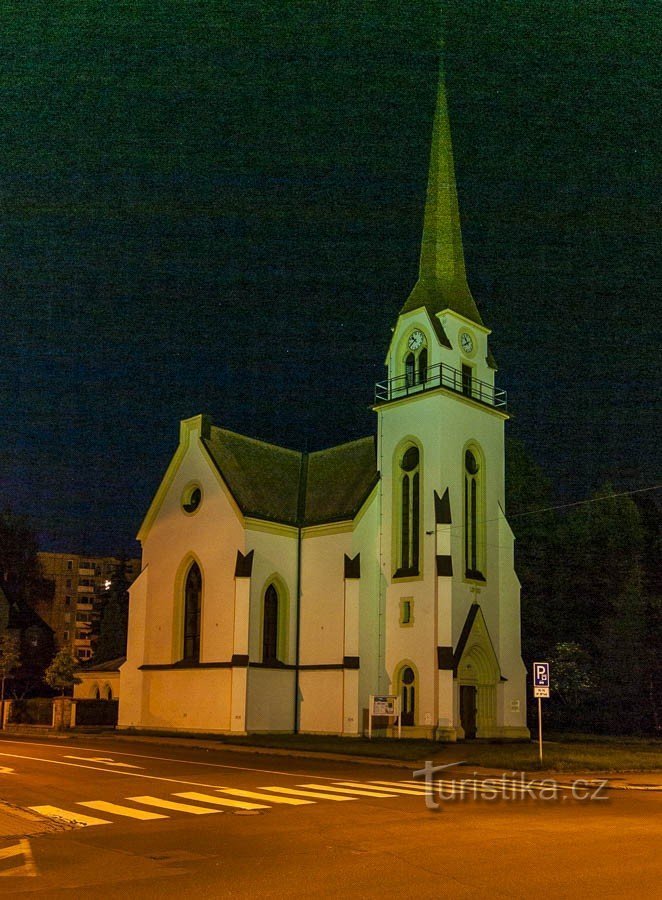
468 710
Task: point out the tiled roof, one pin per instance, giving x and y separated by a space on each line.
110 665
279 485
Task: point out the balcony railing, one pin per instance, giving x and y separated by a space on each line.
440 376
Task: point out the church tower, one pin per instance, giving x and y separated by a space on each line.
450 596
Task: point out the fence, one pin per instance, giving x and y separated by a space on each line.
96 712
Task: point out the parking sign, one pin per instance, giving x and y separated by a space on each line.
541 679
540 674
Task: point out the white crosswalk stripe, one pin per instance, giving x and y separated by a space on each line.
255 795
221 801
173 805
317 794
392 791
64 815
358 790
119 810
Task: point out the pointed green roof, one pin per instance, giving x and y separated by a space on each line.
442 281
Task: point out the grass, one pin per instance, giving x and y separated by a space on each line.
562 753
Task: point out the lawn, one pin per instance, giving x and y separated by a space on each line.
562 753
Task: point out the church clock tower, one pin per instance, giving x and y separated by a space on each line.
450 596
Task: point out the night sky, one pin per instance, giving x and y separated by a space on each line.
217 206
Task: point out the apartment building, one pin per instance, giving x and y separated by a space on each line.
74 606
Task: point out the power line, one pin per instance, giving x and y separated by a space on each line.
533 512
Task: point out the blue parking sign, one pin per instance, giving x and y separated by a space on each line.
541 674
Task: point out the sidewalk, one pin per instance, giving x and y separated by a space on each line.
650 781
20 823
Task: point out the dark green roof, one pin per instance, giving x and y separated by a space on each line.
436 295
339 481
278 485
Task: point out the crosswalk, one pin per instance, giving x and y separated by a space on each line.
264 798
224 798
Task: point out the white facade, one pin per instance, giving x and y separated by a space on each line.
280 590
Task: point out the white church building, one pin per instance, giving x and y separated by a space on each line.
280 590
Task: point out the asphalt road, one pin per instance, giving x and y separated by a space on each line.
147 820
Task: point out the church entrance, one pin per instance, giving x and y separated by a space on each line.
468 694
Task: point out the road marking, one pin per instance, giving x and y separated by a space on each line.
59 762
5 770
103 759
371 786
72 818
170 804
318 795
342 790
186 762
21 849
413 789
118 810
208 798
254 795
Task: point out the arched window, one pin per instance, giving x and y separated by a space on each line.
270 626
407 692
409 512
473 515
410 369
423 366
192 607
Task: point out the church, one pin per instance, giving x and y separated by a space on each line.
281 590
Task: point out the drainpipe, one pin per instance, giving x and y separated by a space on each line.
298 636
301 512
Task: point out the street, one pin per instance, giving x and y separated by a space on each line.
145 819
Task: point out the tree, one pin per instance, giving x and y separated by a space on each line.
10 660
114 622
19 563
60 674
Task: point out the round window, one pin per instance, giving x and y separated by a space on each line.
191 499
410 459
408 676
471 463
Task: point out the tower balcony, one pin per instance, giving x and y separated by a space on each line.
440 376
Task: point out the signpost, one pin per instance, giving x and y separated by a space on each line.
384 705
540 690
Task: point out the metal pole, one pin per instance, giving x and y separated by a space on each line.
540 730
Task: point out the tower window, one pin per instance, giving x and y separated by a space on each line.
409 513
467 380
473 516
192 609
423 366
410 369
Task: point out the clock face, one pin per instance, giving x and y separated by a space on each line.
466 342
416 339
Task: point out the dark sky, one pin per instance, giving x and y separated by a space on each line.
216 207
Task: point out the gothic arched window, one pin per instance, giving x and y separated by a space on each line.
192 609
409 512
270 626
423 366
410 369
473 515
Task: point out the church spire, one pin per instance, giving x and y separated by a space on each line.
442 282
